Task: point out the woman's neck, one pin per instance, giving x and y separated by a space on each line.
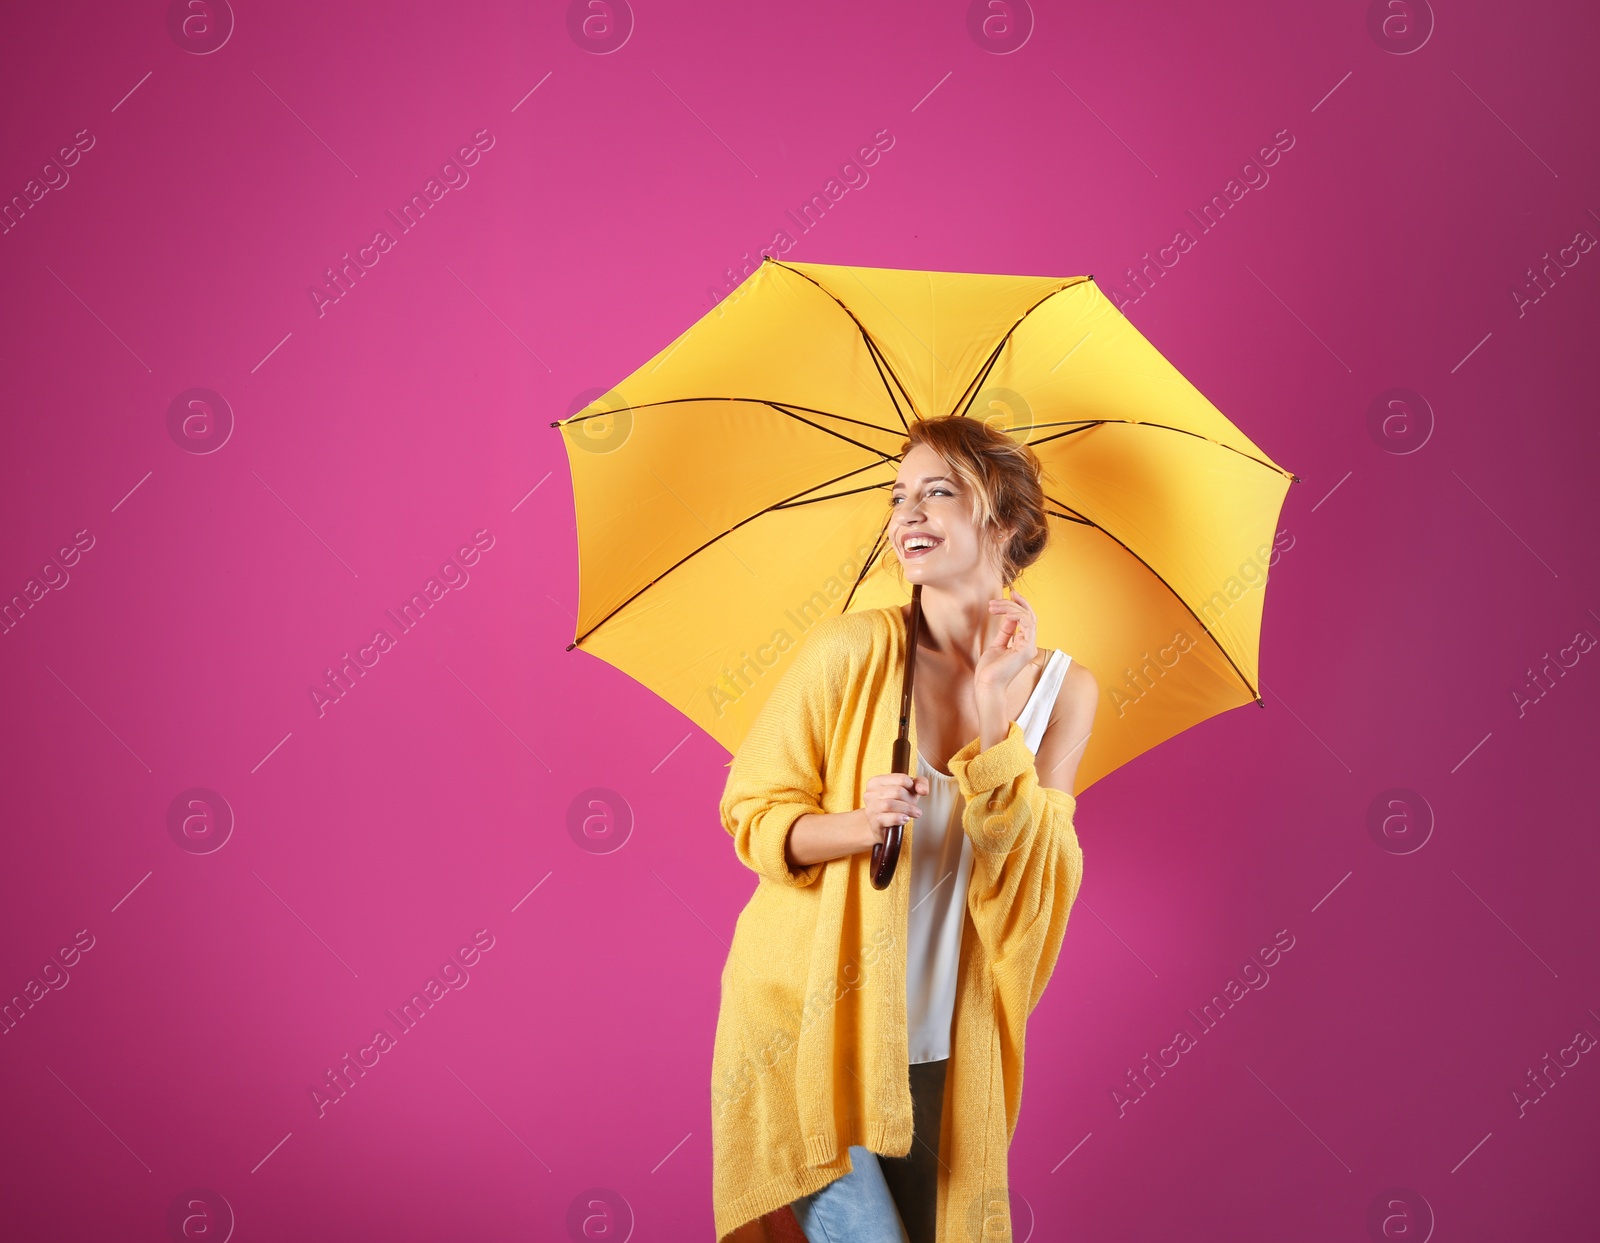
958 624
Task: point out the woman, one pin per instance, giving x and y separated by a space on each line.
869 1086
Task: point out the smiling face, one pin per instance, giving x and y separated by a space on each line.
934 525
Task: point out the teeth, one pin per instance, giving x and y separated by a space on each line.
918 542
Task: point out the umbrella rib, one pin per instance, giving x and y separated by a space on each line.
1175 595
971 391
764 401
866 564
1166 427
831 496
696 551
829 431
872 348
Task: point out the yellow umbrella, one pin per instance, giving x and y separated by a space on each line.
734 490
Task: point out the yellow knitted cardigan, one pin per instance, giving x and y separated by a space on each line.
811 1050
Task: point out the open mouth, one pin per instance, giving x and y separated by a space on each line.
916 546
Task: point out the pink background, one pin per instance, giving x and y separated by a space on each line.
1424 570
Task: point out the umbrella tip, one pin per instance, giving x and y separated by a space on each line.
570 646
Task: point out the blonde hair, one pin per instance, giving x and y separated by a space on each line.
1005 478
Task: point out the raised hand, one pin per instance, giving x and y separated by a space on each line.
1011 650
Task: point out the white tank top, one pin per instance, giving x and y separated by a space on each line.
941 865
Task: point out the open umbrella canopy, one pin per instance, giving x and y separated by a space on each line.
735 488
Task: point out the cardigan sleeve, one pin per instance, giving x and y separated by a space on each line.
1026 862
777 773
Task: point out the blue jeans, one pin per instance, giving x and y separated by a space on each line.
885 1199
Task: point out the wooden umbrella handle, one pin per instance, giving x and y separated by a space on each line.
886 854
